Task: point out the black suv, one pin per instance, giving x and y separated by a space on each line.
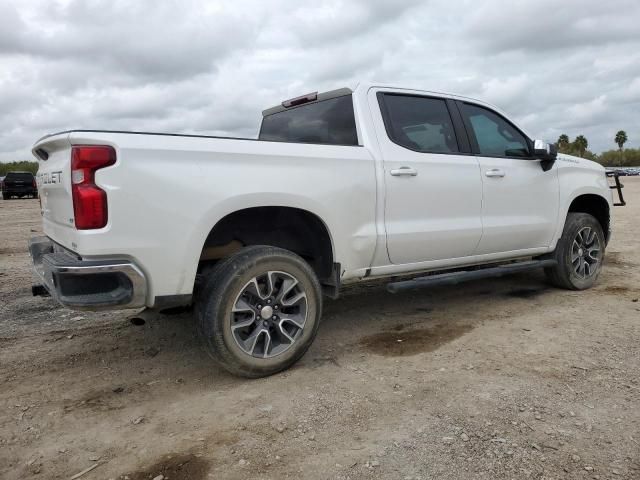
19 184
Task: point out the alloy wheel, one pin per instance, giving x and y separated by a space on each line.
585 252
269 314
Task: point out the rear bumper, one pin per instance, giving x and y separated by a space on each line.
87 284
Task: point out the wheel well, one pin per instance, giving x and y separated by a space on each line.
290 228
594 205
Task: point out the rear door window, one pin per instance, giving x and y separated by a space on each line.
422 124
330 122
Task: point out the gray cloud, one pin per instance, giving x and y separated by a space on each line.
537 27
211 67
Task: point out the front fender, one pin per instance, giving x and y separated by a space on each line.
576 181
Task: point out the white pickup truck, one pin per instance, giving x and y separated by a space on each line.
339 187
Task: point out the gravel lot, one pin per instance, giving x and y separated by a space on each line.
496 379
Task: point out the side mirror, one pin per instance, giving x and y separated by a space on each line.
544 150
547 152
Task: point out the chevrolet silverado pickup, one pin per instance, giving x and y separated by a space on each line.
339 187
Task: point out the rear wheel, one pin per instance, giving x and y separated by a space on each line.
579 253
259 311
6 196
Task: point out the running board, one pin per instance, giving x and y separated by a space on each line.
454 278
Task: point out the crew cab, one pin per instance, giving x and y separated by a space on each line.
339 187
19 184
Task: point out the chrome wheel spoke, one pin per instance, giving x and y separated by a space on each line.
294 299
287 285
267 344
252 340
253 288
271 283
591 235
242 306
284 332
243 323
295 320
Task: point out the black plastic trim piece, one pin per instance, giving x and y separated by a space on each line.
162 302
113 288
319 97
42 154
617 187
331 285
125 132
458 125
453 278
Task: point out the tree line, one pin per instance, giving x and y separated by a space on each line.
24 166
620 157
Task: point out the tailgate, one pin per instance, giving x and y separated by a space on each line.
54 179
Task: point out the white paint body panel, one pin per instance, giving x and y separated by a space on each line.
519 210
166 193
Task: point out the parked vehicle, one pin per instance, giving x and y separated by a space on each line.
340 187
19 184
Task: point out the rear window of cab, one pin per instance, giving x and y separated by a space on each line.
328 122
27 177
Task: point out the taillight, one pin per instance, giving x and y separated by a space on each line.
33 182
89 200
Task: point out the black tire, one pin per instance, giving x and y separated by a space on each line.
6 196
222 289
564 275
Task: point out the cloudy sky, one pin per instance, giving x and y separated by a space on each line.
570 66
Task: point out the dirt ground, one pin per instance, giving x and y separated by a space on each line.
498 379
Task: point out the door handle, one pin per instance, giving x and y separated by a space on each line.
495 172
404 171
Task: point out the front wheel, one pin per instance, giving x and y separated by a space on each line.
579 253
259 311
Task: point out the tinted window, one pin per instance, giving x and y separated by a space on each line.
330 121
420 123
25 177
496 137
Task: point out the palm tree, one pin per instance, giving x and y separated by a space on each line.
581 144
563 142
621 139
